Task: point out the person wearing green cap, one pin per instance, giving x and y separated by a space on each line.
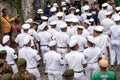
68 74
8 68
22 74
1 67
6 77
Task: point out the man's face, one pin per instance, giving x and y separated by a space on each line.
5 12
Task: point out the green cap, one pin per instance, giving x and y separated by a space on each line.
3 52
1 61
6 77
20 62
68 73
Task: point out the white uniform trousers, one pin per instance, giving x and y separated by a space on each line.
35 72
14 68
54 75
79 76
91 69
62 51
115 53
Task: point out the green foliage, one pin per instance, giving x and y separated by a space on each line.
17 4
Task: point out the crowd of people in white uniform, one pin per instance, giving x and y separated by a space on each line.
68 41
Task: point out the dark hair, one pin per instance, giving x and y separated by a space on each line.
1 65
4 9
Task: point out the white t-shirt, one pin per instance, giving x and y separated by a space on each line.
75 60
52 60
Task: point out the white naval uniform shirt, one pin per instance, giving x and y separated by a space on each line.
70 16
75 60
52 59
114 15
30 55
52 31
91 29
62 39
92 54
40 27
11 56
20 37
83 16
102 42
52 18
81 41
44 37
115 34
101 15
107 23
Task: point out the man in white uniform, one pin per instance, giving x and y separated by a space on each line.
92 55
31 56
11 56
21 36
43 39
81 39
53 62
115 41
101 14
76 61
107 24
102 41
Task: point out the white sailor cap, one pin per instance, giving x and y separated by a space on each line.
63 3
53 22
99 28
63 25
53 9
86 7
87 22
89 14
44 24
55 5
59 14
77 10
104 4
72 8
91 20
48 6
68 20
26 26
64 8
30 20
80 27
75 20
117 8
73 42
117 18
26 40
52 43
40 11
5 39
67 1
44 17
91 39
108 13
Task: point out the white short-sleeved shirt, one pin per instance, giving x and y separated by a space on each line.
52 31
115 34
30 55
102 42
101 14
81 41
83 16
52 18
20 37
44 37
11 56
32 33
53 60
107 23
61 38
75 60
91 29
92 54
